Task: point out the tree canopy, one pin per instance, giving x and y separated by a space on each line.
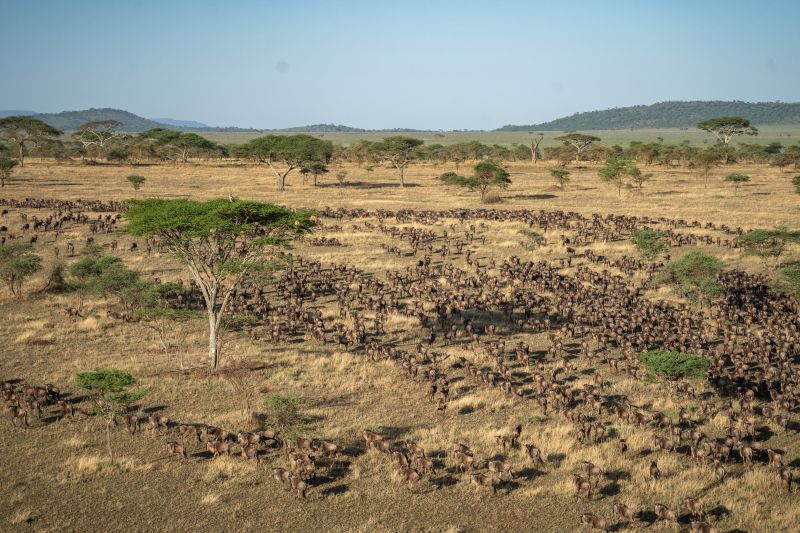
725 128
487 174
6 166
22 130
694 275
285 153
220 241
400 151
579 141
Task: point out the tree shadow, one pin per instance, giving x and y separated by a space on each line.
532 196
444 481
335 490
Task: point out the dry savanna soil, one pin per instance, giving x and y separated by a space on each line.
55 474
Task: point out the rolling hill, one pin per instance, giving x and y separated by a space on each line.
671 114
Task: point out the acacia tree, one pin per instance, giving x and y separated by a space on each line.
6 166
110 392
97 133
181 143
221 242
561 176
707 160
580 141
399 151
767 244
17 264
26 130
136 181
725 128
622 172
285 153
487 175
737 180
315 168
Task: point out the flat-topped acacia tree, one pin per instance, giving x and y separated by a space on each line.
284 153
220 241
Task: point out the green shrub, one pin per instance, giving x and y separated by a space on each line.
284 414
650 244
675 364
694 275
789 281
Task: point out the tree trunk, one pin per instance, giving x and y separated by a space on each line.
108 441
214 320
21 157
402 180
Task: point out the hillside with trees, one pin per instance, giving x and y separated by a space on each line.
669 115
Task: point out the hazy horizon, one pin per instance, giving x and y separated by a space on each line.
443 65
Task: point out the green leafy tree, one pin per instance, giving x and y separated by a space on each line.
725 128
285 416
737 180
486 175
6 166
561 177
767 244
285 153
400 152
706 160
181 144
136 181
221 242
341 177
111 394
580 141
108 277
17 264
649 243
796 183
622 172
22 131
316 169
694 276
675 365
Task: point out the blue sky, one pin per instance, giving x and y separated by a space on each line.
421 64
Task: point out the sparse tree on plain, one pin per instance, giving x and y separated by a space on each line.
487 175
97 134
399 151
110 392
535 142
737 180
22 131
725 128
561 177
220 241
6 167
580 141
136 182
285 153
17 264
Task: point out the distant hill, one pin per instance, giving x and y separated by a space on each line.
15 113
323 128
669 115
191 124
70 120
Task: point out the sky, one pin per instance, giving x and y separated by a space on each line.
390 64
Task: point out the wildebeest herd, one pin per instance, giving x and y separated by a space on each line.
474 316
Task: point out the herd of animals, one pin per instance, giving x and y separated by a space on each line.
593 310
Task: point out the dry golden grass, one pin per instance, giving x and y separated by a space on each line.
344 392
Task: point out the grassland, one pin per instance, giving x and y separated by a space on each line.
55 475
788 134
